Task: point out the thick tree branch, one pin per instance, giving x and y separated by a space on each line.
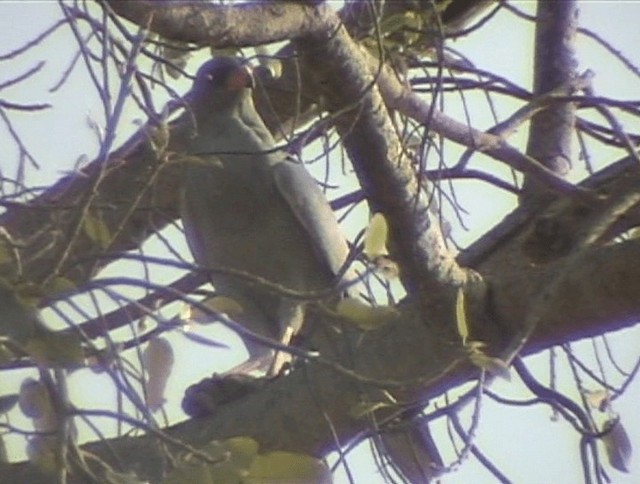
136 196
407 352
555 65
550 228
385 173
220 26
408 103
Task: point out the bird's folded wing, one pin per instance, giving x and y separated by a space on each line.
312 210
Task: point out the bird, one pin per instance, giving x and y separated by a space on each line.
249 207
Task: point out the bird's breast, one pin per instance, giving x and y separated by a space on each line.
234 217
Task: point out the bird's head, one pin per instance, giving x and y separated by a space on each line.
221 84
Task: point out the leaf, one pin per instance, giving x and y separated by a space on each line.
6 355
230 51
113 477
376 399
288 467
56 350
177 53
495 366
41 453
28 295
4 456
411 448
268 70
35 402
225 305
242 452
598 399
33 398
232 460
364 316
190 470
220 304
7 402
59 285
202 160
159 138
174 71
398 21
634 233
95 228
361 409
461 318
100 360
17 315
158 360
375 237
618 446
388 268
7 251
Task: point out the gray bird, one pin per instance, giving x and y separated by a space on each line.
249 207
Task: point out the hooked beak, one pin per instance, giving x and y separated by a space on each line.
241 78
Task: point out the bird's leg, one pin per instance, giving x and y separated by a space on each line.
258 365
291 317
253 317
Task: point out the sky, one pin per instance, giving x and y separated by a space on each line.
527 444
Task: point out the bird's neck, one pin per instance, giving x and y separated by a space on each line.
225 134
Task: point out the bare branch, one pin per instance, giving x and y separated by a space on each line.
555 64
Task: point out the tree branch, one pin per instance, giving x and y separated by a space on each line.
405 351
555 65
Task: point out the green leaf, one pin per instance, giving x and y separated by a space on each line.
41 451
361 409
202 160
376 399
6 252
6 355
56 350
233 458
375 237
18 313
225 51
241 453
618 446
387 268
28 295
4 456
159 138
113 477
495 366
158 360
7 402
222 304
9 256
598 399
192 471
34 399
461 317
176 52
59 285
399 21
364 316
95 228
288 467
